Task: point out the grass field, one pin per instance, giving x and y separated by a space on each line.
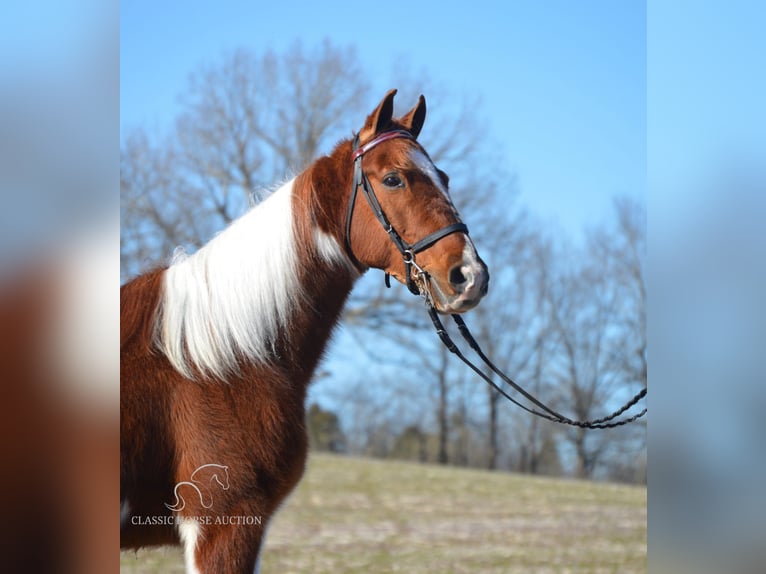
351 515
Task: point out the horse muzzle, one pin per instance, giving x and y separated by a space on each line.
468 284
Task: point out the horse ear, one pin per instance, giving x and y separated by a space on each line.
415 118
379 119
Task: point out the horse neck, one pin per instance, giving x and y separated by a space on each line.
269 289
326 275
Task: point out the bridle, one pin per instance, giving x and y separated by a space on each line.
418 283
407 250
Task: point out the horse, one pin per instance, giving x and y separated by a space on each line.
218 348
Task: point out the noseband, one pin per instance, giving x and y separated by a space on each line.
407 250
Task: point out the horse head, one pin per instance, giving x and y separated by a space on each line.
409 226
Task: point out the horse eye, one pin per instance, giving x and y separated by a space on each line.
392 181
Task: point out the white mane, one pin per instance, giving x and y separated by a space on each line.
230 299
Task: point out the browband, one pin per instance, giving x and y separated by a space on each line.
385 136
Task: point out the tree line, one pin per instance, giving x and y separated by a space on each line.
567 319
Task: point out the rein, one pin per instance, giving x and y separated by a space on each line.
419 285
545 411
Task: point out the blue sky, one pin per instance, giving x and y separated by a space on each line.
562 84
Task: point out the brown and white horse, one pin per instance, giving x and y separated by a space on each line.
217 350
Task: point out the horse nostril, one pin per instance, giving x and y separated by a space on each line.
456 277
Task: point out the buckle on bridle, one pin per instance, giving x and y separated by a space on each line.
416 276
422 280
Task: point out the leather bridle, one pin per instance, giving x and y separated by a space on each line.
407 250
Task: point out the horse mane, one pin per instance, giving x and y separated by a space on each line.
229 301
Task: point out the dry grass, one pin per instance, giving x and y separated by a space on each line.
357 515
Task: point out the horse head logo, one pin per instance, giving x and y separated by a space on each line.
201 482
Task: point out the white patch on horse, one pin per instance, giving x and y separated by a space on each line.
189 532
331 252
470 255
471 266
425 165
231 298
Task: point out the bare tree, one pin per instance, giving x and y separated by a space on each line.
251 120
536 439
596 308
158 211
247 121
581 310
621 249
